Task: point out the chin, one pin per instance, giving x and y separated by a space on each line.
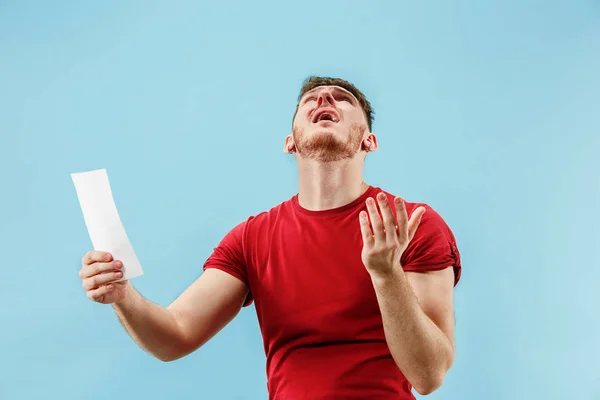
323 131
330 129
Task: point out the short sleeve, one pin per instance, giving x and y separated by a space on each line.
228 257
433 247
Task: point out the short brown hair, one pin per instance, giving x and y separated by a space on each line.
315 81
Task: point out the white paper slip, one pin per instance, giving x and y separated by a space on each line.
102 220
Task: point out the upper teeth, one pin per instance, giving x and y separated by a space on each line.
333 117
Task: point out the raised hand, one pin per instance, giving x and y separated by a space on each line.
98 274
385 238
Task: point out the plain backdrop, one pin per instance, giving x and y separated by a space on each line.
487 111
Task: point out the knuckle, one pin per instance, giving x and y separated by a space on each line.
103 268
97 294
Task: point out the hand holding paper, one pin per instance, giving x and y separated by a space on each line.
103 222
100 276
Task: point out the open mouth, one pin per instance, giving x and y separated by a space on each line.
326 115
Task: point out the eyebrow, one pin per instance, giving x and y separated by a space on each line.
336 89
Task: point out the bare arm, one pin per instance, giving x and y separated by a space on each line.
416 308
201 311
418 321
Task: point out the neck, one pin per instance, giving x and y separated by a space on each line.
324 186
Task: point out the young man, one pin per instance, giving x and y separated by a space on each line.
353 287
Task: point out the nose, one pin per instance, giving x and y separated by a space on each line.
325 97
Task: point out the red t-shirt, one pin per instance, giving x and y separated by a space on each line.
316 305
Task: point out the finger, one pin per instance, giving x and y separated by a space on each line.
95 281
98 268
388 217
402 219
100 293
415 220
365 228
375 219
95 256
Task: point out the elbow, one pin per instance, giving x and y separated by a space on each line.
178 346
173 354
167 357
431 381
429 385
426 388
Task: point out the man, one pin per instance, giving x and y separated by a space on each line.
353 287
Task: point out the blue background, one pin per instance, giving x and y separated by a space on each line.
488 112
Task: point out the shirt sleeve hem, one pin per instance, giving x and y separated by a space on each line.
249 299
417 268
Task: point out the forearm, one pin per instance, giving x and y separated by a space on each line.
152 327
420 349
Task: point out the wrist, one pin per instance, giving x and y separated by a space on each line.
386 275
128 298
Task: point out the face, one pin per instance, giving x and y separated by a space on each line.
330 125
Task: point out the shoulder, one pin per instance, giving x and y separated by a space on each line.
247 234
434 244
431 218
264 221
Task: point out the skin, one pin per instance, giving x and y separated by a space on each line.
416 308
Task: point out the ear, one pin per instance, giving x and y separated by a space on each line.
370 142
289 145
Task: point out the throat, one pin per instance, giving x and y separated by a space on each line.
328 197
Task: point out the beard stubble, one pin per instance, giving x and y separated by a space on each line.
326 147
